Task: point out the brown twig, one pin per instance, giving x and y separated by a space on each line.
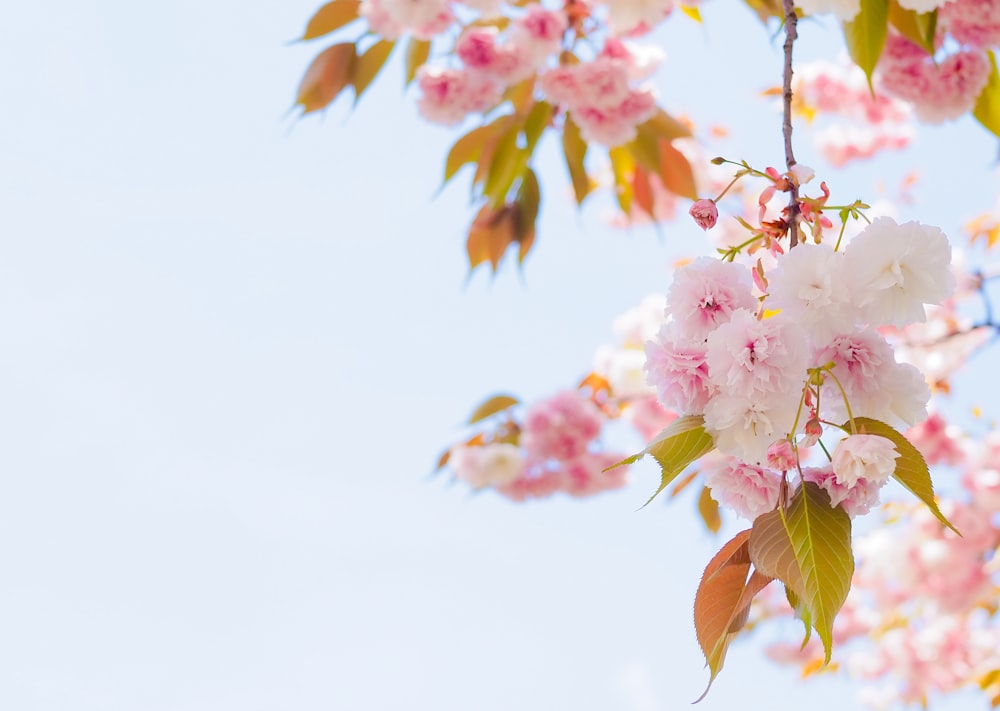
791 33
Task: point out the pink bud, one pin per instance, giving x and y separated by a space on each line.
781 455
705 213
814 430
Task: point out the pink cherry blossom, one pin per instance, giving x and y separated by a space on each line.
676 367
972 22
747 490
561 427
856 499
781 455
449 95
939 91
862 457
393 18
705 293
757 357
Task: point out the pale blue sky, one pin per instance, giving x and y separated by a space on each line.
233 345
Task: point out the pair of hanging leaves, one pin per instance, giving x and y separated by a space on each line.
496 228
342 64
651 153
805 543
501 152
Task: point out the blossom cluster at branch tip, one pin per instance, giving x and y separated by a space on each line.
764 368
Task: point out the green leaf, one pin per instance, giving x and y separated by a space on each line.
911 469
575 150
330 17
918 27
722 602
987 109
865 35
493 405
808 547
677 446
417 52
369 64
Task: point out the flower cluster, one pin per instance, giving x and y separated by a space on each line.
940 89
764 369
489 63
551 450
600 95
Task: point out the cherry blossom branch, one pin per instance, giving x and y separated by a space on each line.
791 33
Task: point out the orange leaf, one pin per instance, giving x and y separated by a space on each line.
676 173
643 191
330 17
326 77
682 483
495 404
722 602
489 236
417 52
709 510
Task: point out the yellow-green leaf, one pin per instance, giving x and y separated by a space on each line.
575 151
528 199
369 64
865 35
664 126
491 406
766 9
622 167
330 17
987 109
683 441
535 124
692 11
469 147
808 547
911 469
326 77
918 27
507 164
417 52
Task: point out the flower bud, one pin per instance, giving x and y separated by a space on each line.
705 213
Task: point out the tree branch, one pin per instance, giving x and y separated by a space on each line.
791 33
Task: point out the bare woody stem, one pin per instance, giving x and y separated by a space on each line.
791 33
